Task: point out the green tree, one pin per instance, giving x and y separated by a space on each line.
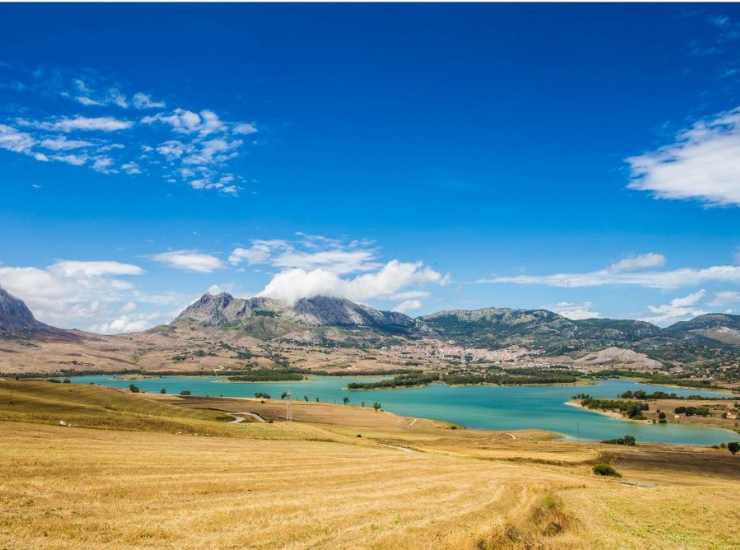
163 390
733 447
345 400
133 389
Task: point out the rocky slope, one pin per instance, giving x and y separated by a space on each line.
277 318
17 321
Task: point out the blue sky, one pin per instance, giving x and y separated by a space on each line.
582 158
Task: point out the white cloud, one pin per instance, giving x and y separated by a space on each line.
309 253
144 101
79 123
103 165
61 143
173 149
127 323
245 128
74 160
642 261
189 260
88 101
335 261
15 140
575 311
71 293
68 268
188 122
131 168
407 305
725 297
678 309
703 163
213 151
294 284
610 276
258 253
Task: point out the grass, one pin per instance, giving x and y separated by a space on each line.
138 471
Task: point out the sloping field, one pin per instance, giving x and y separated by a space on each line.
295 485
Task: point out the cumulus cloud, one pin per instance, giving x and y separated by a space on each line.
127 323
703 163
678 309
293 284
576 311
71 293
189 260
627 273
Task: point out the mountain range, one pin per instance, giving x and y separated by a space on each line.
708 339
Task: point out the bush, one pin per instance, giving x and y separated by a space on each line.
185 392
733 447
163 390
133 389
626 440
606 470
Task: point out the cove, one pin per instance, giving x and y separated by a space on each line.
480 407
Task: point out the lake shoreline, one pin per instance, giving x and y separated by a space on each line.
493 408
610 414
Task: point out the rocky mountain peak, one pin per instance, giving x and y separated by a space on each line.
17 321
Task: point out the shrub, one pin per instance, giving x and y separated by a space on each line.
133 388
733 447
163 390
606 470
626 440
185 392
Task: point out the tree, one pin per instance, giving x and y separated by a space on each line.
185 392
733 447
163 390
133 389
605 470
662 417
305 397
284 395
345 400
377 406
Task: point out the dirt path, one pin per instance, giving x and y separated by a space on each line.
241 417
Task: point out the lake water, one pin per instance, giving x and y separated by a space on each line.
484 407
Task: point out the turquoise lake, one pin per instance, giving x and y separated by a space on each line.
484 407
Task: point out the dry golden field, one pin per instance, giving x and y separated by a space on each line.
169 476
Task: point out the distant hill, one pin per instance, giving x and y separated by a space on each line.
17 321
539 328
